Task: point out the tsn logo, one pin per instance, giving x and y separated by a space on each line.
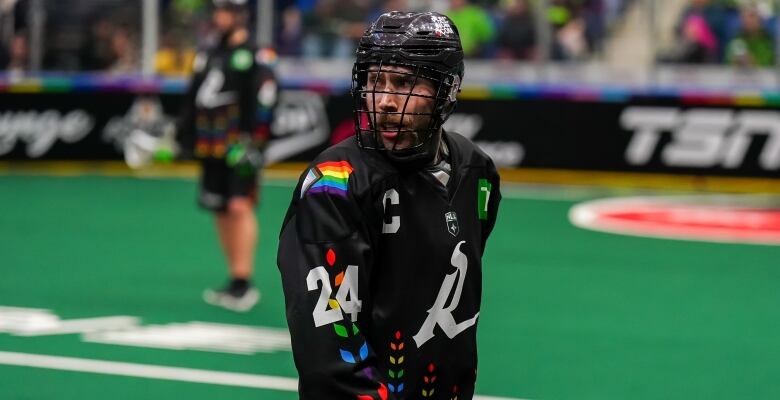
702 137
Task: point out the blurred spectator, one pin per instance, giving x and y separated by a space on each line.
474 25
173 57
570 42
330 28
318 40
613 10
559 12
289 38
77 35
714 17
125 52
188 20
569 30
4 57
753 46
517 35
18 54
697 45
306 6
350 22
190 8
387 6
594 15
96 54
335 27
714 14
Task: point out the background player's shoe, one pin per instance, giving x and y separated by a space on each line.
235 299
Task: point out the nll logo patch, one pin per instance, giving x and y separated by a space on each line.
451 220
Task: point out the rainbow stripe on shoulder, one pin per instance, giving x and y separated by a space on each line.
328 177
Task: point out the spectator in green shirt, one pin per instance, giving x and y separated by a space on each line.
753 46
474 25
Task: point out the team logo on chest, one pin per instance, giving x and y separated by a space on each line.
441 313
451 219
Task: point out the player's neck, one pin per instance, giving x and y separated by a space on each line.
234 38
238 37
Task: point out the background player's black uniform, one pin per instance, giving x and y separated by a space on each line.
382 274
231 96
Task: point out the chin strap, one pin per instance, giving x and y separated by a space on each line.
443 154
442 168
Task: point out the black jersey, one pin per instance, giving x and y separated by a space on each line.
382 274
232 94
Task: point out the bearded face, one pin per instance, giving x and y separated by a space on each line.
400 105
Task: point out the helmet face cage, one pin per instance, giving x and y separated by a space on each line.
406 50
367 128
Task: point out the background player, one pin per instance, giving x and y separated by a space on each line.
228 113
380 251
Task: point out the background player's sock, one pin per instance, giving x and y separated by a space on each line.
238 286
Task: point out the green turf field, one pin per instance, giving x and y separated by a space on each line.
567 313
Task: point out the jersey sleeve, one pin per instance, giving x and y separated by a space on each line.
258 94
325 258
185 123
267 97
249 83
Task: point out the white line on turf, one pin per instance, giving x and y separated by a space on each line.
161 372
148 371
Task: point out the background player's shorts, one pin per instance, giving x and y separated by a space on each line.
220 183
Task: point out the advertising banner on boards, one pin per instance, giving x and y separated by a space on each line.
661 134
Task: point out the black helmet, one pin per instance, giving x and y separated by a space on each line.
230 4
428 46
